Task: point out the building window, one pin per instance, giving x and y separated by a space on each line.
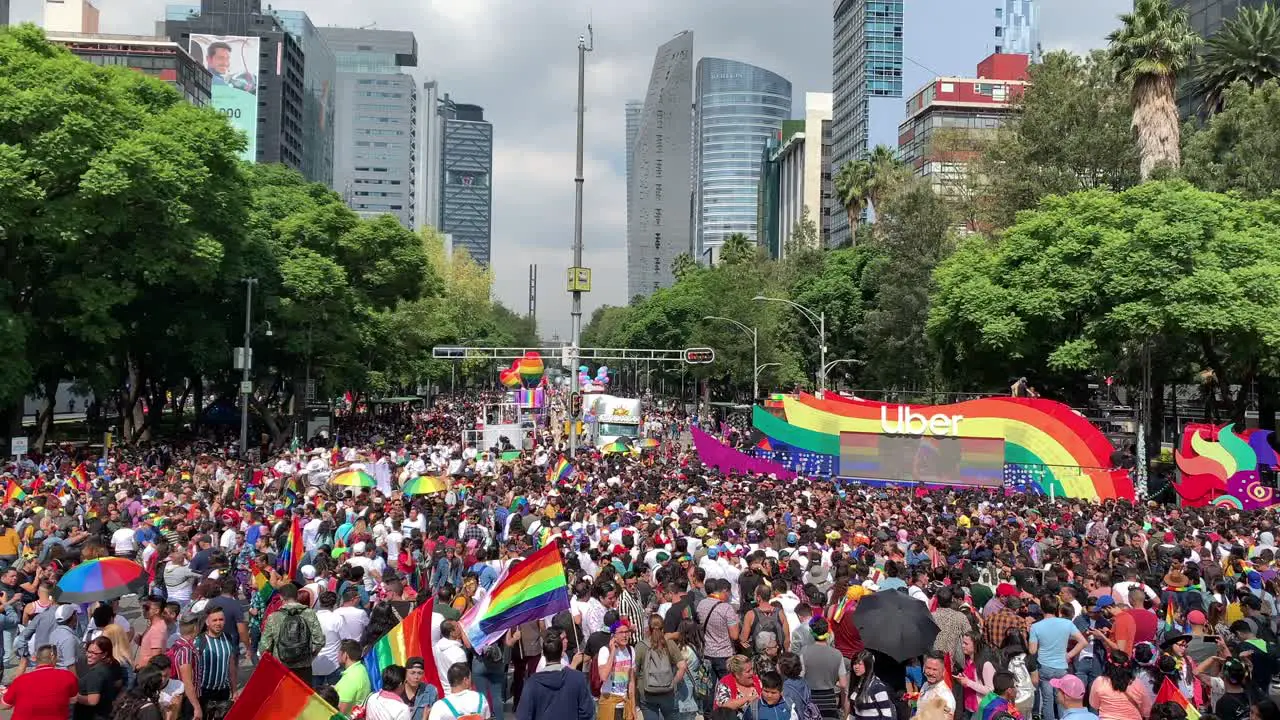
999 31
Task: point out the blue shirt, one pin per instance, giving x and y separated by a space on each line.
1053 635
1079 713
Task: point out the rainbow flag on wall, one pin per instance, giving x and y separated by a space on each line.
411 638
274 693
291 554
530 589
13 492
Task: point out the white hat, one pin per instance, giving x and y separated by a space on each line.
65 613
358 548
198 606
308 572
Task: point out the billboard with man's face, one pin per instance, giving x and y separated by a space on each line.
233 61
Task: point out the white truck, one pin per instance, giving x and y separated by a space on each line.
615 418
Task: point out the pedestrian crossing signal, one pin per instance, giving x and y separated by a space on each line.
699 356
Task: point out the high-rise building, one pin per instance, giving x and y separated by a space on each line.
70 16
739 107
949 119
1206 17
157 57
258 69
430 138
801 159
4 12
375 166
1017 28
659 227
319 77
634 108
466 197
866 65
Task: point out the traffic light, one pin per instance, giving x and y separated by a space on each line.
699 356
575 405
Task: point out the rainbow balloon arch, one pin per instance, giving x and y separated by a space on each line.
1018 444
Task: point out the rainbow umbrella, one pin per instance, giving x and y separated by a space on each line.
102 579
648 443
617 446
353 478
424 485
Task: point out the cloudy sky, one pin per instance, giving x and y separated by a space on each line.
518 59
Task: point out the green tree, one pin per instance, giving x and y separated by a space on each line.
1245 49
886 172
1071 132
738 249
804 234
1151 48
682 265
853 187
1238 150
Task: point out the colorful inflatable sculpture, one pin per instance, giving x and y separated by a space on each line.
524 372
1220 467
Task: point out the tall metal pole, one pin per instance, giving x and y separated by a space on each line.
585 46
246 388
822 354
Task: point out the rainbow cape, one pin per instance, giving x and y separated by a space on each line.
1170 693
291 554
275 693
411 638
13 492
530 589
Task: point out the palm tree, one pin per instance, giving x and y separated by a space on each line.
1153 44
1245 49
853 188
737 248
886 172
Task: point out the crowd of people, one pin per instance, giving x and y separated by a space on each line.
694 593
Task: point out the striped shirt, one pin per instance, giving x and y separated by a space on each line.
214 655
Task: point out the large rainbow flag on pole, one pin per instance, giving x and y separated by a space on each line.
275 693
291 554
411 638
530 589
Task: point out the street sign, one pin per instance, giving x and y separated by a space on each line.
579 279
699 356
18 445
449 353
246 387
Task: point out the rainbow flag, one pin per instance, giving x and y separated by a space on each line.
13 492
560 470
275 693
1170 693
1168 613
530 589
261 583
292 491
79 479
411 638
291 553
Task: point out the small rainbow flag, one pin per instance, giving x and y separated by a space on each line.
79 479
275 693
1170 693
560 470
411 638
291 553
530 589
13 492
1168 613
292 491
261 583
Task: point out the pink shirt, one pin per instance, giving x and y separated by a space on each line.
1132 704
152 642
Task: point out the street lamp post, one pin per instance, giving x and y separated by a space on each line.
246 360
827 368
760 368
585 45
819 322
754 334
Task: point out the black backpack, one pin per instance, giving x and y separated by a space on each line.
765 622
293 644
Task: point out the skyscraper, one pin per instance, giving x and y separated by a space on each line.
633 110
1017 29
260 69
658 228
376 158
739 108
866 64
319 76
430 138
466 197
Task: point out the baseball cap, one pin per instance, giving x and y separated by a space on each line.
1004 590
1070 685
1196 617
65 612
414 662
308 572
358 548
1104 602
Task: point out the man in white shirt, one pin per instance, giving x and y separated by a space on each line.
124 542
449 650
354 618
326 667
462 701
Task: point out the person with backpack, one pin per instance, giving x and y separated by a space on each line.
293 634
556 692
660 668
764 617
460 702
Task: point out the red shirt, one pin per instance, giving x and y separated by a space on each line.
45 693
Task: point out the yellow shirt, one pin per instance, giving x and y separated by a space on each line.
9 543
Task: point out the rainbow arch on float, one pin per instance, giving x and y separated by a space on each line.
1072 457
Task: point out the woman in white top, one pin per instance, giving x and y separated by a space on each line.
386 704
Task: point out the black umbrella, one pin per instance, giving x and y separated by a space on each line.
896 624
